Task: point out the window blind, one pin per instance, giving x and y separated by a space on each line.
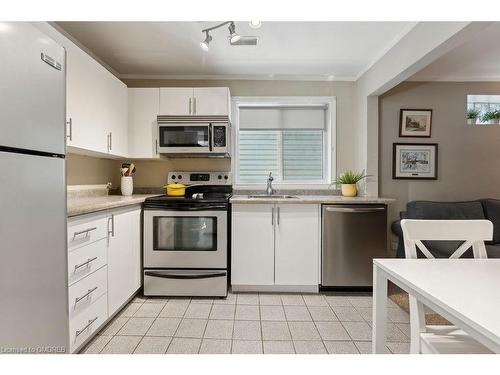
291 155
281 118
258 155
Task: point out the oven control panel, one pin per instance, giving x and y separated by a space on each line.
205 178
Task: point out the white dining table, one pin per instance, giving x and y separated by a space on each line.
466 292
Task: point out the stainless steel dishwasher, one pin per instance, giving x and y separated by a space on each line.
352 235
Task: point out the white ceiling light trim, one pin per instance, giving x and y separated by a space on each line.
242 77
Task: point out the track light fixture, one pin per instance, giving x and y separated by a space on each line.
206 42
233 36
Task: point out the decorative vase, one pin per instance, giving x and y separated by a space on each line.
127 185
349 190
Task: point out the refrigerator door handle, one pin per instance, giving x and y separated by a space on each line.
70 126
51 61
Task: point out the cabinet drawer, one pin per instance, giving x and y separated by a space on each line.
83 325
85 260
86 230
85 292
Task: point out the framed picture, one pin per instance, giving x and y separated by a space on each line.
417 161
415 123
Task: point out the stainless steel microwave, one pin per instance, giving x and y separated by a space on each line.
193 136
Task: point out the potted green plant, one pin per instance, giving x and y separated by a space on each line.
349 180
472 116
491 117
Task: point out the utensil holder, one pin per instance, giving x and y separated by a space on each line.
127 185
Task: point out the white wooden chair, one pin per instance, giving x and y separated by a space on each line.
443 339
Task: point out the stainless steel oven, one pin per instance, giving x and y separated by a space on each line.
185 239
194 135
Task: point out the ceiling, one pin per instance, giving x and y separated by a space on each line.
475 60
298 50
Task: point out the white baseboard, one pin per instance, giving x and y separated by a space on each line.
276 288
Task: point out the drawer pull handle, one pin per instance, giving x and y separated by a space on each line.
86 263
78 299
86 232
79 332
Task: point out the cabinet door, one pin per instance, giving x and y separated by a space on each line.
176 101
252 250
211 101
297 246
143 108
87 128
124 257
117 114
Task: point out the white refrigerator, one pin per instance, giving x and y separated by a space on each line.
33 255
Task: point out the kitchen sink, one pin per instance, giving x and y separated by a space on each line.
274 196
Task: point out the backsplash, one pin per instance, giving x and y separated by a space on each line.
87 170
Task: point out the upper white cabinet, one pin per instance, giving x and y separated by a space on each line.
275 247
96 102
124 257
211 101
198 101
176 101
143 108
117 115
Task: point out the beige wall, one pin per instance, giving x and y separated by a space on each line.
343 91
468 158
153 173
86 170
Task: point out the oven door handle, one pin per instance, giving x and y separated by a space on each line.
174 275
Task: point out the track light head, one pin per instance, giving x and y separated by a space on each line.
233 37
206 42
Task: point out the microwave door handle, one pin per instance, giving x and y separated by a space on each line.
210 137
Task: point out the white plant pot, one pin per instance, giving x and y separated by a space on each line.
127 185
471 121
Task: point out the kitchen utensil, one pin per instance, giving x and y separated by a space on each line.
131 169
177 190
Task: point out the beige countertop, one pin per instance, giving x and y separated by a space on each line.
235 199
88 204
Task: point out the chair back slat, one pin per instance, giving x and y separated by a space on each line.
473 233
447 230
423 249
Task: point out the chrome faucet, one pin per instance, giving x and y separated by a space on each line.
269 188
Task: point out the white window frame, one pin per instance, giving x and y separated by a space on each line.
330 135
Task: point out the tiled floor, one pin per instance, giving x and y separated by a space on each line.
250 323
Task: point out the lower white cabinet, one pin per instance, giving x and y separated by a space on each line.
297 244
103 273
275 247
252 249
124 257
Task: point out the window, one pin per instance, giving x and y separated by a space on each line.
483 109
288 139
